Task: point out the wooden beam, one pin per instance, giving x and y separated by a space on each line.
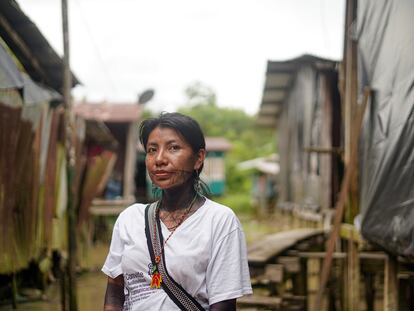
260 301
340 255
349 232
324 150
291 264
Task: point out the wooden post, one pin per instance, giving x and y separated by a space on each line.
70 158
351 140
63 291
130 162
14 290
390 284
353 276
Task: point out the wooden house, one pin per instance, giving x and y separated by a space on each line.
118 188
33 170
33 191
265 171
301 100
214 173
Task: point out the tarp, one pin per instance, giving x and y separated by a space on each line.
10 77
34 93
385 34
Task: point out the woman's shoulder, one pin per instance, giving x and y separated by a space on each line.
221 219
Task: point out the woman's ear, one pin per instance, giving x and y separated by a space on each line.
201 155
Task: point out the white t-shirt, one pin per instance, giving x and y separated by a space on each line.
206 255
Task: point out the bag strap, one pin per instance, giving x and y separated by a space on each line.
155 241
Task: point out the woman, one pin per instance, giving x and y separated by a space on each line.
184 252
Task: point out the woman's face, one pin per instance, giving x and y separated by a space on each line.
170 160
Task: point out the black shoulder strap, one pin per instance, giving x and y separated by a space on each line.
174 290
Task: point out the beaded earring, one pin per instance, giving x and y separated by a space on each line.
197 182
156 192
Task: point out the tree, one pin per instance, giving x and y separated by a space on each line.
200 94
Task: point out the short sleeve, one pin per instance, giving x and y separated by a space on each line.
112 266
228 272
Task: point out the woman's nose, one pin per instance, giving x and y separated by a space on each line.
160 157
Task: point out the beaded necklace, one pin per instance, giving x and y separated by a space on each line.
156 276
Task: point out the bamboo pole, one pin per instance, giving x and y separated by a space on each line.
70 155
351 292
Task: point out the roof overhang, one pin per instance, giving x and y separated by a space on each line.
30 47
109 112
279 78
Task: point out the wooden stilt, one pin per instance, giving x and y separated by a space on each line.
14 290
62 283
353 276
390 284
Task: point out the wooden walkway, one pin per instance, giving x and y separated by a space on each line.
272 265
273 245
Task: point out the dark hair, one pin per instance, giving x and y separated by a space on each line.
184 125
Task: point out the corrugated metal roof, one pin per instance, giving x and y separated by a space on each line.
108 112
31 48
279 76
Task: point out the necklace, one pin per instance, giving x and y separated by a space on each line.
156 276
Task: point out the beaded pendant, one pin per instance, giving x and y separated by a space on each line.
156 276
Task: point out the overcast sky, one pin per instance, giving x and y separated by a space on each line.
120 48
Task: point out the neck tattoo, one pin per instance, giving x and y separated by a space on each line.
156 277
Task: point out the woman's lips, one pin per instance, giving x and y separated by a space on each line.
162 174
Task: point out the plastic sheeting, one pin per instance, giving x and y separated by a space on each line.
34 93
386 64
10 77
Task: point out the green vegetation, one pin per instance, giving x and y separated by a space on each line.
239 202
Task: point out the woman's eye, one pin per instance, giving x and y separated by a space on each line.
151 150
175 148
